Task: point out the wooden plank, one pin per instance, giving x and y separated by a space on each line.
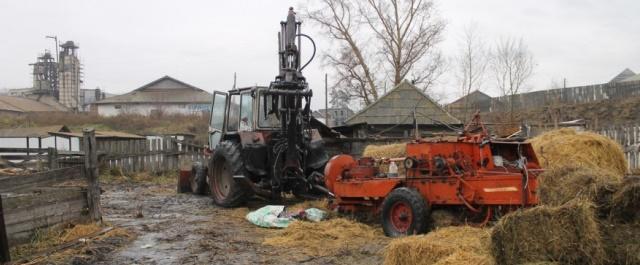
22 150
91 172
37 197
39 179
4 241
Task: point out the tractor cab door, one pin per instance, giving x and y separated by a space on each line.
216 123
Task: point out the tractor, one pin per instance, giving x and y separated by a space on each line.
260 138
471 175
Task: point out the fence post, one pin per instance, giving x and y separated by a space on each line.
91 172
4 243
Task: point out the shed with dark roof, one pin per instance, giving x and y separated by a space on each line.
396 113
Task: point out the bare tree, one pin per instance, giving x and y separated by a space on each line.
512 65
354 77
406 34
471 64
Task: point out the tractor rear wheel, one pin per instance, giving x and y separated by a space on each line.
198 178
404 212
226 190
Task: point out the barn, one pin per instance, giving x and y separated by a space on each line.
165 95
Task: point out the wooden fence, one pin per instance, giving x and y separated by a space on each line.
153 155
158 154
628 136
30 202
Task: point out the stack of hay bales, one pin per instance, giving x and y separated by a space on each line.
568 234
386 151
588 211
449 245
568 147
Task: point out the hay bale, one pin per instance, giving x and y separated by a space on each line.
567 147
326 237
559 185
625 203
449 245
385 151
568 234
621 242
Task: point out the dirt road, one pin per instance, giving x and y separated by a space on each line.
188 229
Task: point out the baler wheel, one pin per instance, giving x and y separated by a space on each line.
226 190
404 212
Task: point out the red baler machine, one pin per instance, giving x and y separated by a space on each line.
471 175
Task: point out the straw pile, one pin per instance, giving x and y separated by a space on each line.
326 237
622 243
567 147
449 245
559 185
625 203
568 234
385 151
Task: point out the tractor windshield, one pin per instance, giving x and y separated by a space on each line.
270 120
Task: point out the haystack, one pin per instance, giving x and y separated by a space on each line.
621 242
625 203
568 234
449 245
559 185
567 147
385 151
326 237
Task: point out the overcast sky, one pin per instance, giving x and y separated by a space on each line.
125 44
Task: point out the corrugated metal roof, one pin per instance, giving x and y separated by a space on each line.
164 90
622 76
397 107
21 104
32 131
474 96
632 78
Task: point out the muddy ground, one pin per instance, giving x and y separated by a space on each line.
175 228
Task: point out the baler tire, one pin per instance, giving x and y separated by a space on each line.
226 163
198 178
407 203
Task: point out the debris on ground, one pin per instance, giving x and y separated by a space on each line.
568 147
568 234
443 218
72 244
448 245
278 216
325 237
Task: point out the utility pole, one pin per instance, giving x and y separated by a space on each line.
55 39
234 80
326 100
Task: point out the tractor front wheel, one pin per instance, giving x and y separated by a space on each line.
226 190
404 212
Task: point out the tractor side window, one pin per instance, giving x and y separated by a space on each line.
270 120
217 111
246 112
234 113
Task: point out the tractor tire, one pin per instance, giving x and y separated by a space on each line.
198 178
404 212
226 163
